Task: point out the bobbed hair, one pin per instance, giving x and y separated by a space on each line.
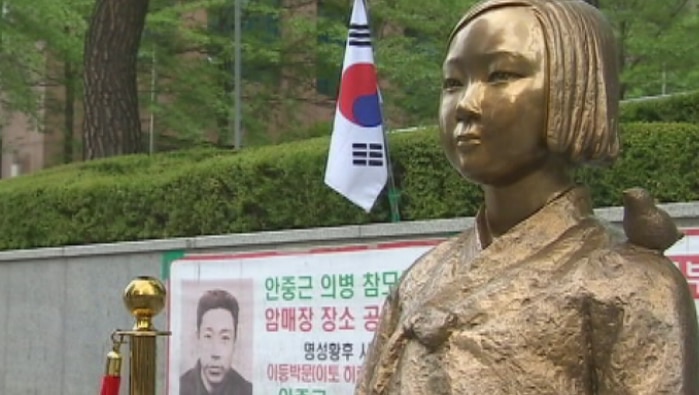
583 77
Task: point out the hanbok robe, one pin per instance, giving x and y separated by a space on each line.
559 305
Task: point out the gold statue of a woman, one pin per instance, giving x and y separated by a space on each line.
539 297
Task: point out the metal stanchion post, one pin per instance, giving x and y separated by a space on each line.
144 297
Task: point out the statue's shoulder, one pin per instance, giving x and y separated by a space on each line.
430 264
630 272
634 263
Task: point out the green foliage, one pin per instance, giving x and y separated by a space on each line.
675 108
29 31
660 157
191 57
317 129
308 56
411 63
657 56
194 67
210 191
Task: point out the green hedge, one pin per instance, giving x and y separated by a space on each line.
671 108
281 187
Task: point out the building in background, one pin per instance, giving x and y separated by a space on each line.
27 147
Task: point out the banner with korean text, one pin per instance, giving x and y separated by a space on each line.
685 255
304 319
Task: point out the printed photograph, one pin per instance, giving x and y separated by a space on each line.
216 337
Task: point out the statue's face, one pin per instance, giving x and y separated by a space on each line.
493 107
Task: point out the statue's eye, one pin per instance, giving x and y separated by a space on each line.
451 83
503 76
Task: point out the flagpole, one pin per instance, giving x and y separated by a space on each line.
393 192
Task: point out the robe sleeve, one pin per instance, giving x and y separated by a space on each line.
384 355
649 343
376 362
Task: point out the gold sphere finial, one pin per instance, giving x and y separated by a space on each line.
144 297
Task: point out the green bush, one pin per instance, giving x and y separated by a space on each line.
209 191
660 157
674 108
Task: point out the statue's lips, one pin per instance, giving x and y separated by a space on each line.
467 140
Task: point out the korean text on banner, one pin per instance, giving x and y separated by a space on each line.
305 320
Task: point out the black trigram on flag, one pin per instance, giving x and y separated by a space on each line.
367 154
359 35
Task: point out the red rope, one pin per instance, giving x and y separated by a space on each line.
110 385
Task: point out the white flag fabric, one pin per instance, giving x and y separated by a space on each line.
356 165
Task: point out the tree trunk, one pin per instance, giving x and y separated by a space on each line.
112 124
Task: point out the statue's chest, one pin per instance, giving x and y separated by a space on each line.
522 324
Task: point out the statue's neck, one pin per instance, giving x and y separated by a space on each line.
508 205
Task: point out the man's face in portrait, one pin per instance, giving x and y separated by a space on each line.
216 345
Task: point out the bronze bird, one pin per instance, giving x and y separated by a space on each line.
645 224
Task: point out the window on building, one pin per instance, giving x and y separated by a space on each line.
261 34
